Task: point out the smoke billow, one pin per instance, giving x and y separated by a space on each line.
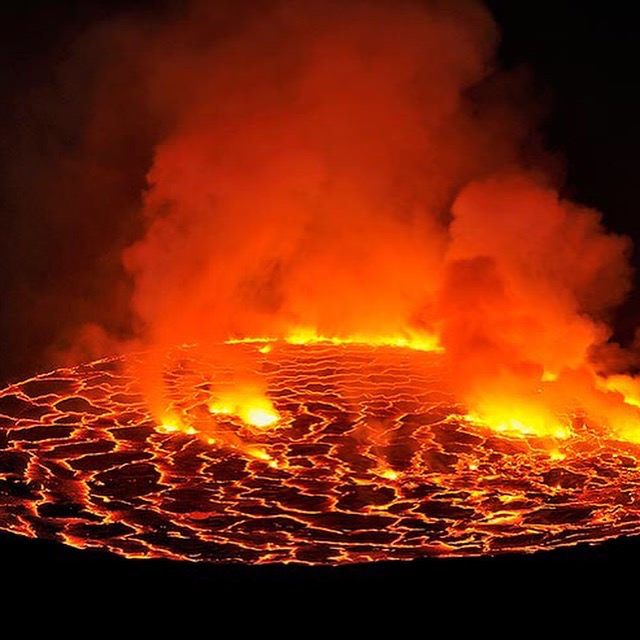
529 283
360 168
306 181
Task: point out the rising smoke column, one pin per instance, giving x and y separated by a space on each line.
529 282
308 177
354 168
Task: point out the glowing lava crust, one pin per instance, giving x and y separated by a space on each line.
371 459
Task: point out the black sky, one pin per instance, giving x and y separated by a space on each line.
584 56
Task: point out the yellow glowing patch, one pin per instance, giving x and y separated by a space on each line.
510 497
420 342
308 335
249 404
261 417
224 409
531 424
260 454
502 518
167 428
171 423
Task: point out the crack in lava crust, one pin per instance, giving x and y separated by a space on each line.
375 461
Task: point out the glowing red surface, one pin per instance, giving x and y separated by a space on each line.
375 461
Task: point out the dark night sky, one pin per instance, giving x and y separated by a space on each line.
583 56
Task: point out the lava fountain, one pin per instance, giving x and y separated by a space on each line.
370 458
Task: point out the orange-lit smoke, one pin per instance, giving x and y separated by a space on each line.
353 169
306 182
529 281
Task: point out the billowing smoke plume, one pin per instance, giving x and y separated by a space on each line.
528 285
358 169
308 176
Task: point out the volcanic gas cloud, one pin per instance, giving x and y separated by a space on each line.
359 180
354 171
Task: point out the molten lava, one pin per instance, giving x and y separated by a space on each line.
359 184
367 456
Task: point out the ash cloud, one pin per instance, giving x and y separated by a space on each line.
315 151
359 168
